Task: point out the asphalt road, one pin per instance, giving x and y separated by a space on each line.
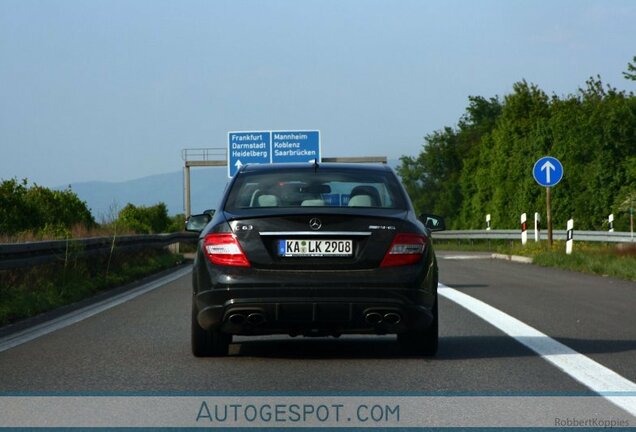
142 345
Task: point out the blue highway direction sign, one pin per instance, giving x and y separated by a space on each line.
271 147
247 148
547 171
298 146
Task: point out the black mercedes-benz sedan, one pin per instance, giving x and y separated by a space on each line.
315 250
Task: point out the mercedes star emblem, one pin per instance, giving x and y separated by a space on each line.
315 224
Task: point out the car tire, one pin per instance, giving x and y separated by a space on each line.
423 342
208 343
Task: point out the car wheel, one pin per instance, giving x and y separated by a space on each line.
423 342
208 343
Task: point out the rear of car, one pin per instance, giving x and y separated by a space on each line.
314 250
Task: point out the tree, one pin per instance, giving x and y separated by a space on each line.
485 164
433 177
631 70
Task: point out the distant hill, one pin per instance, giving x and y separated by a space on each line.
104 198
206 188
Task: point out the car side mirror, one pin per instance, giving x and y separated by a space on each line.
433 222
196 223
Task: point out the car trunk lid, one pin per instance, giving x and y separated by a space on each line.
321 240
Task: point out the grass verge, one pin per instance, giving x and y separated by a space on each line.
31 291
617 261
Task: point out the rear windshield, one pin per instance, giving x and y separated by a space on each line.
320 188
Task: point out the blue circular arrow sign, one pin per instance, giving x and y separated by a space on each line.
548 171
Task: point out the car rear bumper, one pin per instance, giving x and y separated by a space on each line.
312 311
375 301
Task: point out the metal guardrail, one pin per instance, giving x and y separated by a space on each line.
16 255
591 236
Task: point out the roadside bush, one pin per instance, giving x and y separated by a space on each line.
39 209
145 220
177 223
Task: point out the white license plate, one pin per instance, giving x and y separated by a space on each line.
315 248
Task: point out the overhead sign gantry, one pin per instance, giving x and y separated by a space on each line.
261 147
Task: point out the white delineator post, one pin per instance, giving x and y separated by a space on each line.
488 222
524 229
537 226
610 220
569 243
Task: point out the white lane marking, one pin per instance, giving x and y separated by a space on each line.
593 375
465 257
35 332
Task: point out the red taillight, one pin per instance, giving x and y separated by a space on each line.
224 249
406 249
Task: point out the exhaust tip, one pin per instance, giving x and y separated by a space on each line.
256 318
236 319
373 318
392 318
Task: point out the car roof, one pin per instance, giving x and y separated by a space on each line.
310 166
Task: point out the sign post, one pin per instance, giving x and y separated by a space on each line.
548 215
548 171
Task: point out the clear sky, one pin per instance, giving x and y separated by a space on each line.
114 89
